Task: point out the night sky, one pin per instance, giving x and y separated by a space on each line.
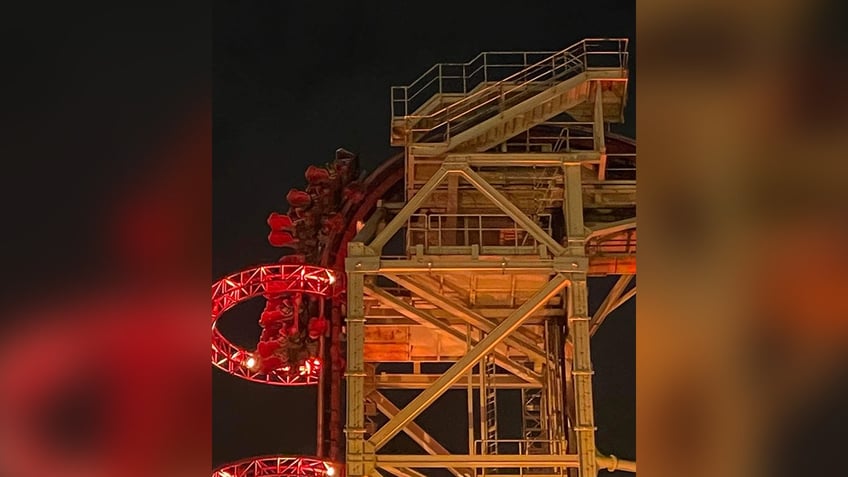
295 81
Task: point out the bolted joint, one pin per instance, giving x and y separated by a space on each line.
571 264
354 431
362 264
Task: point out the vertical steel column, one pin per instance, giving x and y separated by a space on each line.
572 209
469 389
355 371
335 444
322 382
584 425
598 130
578 325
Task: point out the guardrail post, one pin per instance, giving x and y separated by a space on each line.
524 65
440 78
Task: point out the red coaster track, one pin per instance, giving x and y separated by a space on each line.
276 466
278 279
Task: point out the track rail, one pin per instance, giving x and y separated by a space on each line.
276 466
253 282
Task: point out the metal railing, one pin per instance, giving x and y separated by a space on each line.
502 74
621 166
461 78
555 136
440 233
522 447
622 243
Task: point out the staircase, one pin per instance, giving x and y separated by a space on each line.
468 114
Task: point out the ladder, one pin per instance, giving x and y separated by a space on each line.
490 406
533 422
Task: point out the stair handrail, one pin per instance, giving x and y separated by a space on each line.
576 59
437 73
572 63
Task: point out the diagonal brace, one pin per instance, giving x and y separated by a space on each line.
511 210
413 430
455 373
517 340
614 299
406 212
426 319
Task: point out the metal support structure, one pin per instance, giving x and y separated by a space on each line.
616 297
322 378
369 228
613 464
355 376
524 159
489 405
598 130
584 423
454 373
578 327
610 463
413 430
413 205
477 320
572 207
511 210
612 227
483 461
493 281
423 381
426 319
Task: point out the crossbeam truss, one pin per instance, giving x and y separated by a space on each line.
566 271
519 357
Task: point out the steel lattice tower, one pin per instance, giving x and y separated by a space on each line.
515 193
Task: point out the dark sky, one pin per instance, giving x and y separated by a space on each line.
295 81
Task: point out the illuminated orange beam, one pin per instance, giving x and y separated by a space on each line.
612 265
